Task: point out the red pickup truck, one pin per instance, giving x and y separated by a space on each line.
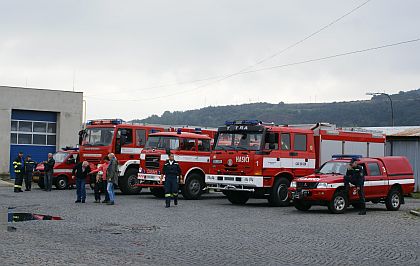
387 180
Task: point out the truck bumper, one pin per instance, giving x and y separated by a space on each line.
149 180
234 183
316 195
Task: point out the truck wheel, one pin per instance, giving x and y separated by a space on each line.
279 196
158 192
393 200
302 205
128 181
61 182
41 184
338 204
237 198
193 187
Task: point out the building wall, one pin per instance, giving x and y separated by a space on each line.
410 148
67 105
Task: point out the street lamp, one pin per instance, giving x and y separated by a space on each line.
390 100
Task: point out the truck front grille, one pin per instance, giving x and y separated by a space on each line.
306 184
152 161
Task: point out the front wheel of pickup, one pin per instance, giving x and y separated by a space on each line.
393 200
237 198
338 204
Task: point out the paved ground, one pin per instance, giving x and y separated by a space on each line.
138 230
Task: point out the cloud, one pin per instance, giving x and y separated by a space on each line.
116 49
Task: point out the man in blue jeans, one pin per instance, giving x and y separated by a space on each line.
80 172
112 177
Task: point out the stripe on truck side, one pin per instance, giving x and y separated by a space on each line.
288 163
187 158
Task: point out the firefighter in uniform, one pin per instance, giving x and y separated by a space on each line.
29 167
171 171
355 176
18 166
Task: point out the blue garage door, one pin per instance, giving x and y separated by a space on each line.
33 133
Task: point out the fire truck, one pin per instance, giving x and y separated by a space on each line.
126 141
387 180
65 160
191 150
260 160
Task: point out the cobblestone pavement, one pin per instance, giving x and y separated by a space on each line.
139 230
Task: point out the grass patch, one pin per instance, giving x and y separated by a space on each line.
415 195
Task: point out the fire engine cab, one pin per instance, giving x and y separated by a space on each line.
191 150
125 140
255 159
387 180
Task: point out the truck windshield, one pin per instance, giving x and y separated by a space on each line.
239 141
162 143
59 157
334 168
98 136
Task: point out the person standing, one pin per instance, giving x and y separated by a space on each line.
48 172
101 181
18 167
80 172
171 171
112 176
355 176
29 167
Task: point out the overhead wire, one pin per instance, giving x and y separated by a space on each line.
219 78
271 68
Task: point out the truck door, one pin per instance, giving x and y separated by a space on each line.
376 183
302 156
125 144
279 145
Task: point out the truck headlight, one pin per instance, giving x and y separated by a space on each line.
322 185
293 184
217 161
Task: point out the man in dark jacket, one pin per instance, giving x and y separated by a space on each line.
29 167
48 172
80 172
18 169
171 171
355 176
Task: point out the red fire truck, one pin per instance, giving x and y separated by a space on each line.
387 180
65 160
254 159
125 140
191 150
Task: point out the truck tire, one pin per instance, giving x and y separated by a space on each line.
193 187
339 203
393 200
279 195
61 182
41 184
302 205
158 192
237 198
126 183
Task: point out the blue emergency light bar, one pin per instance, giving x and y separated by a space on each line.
105 121
179 131
197 130
153 131
347 156
243 122
67 148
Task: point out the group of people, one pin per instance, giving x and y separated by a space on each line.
24 169
106 177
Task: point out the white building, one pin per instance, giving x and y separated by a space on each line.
36 122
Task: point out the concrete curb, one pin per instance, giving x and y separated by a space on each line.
416 213
5 183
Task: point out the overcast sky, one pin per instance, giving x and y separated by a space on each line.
124 50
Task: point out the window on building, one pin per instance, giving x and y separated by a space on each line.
300 142
33 133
